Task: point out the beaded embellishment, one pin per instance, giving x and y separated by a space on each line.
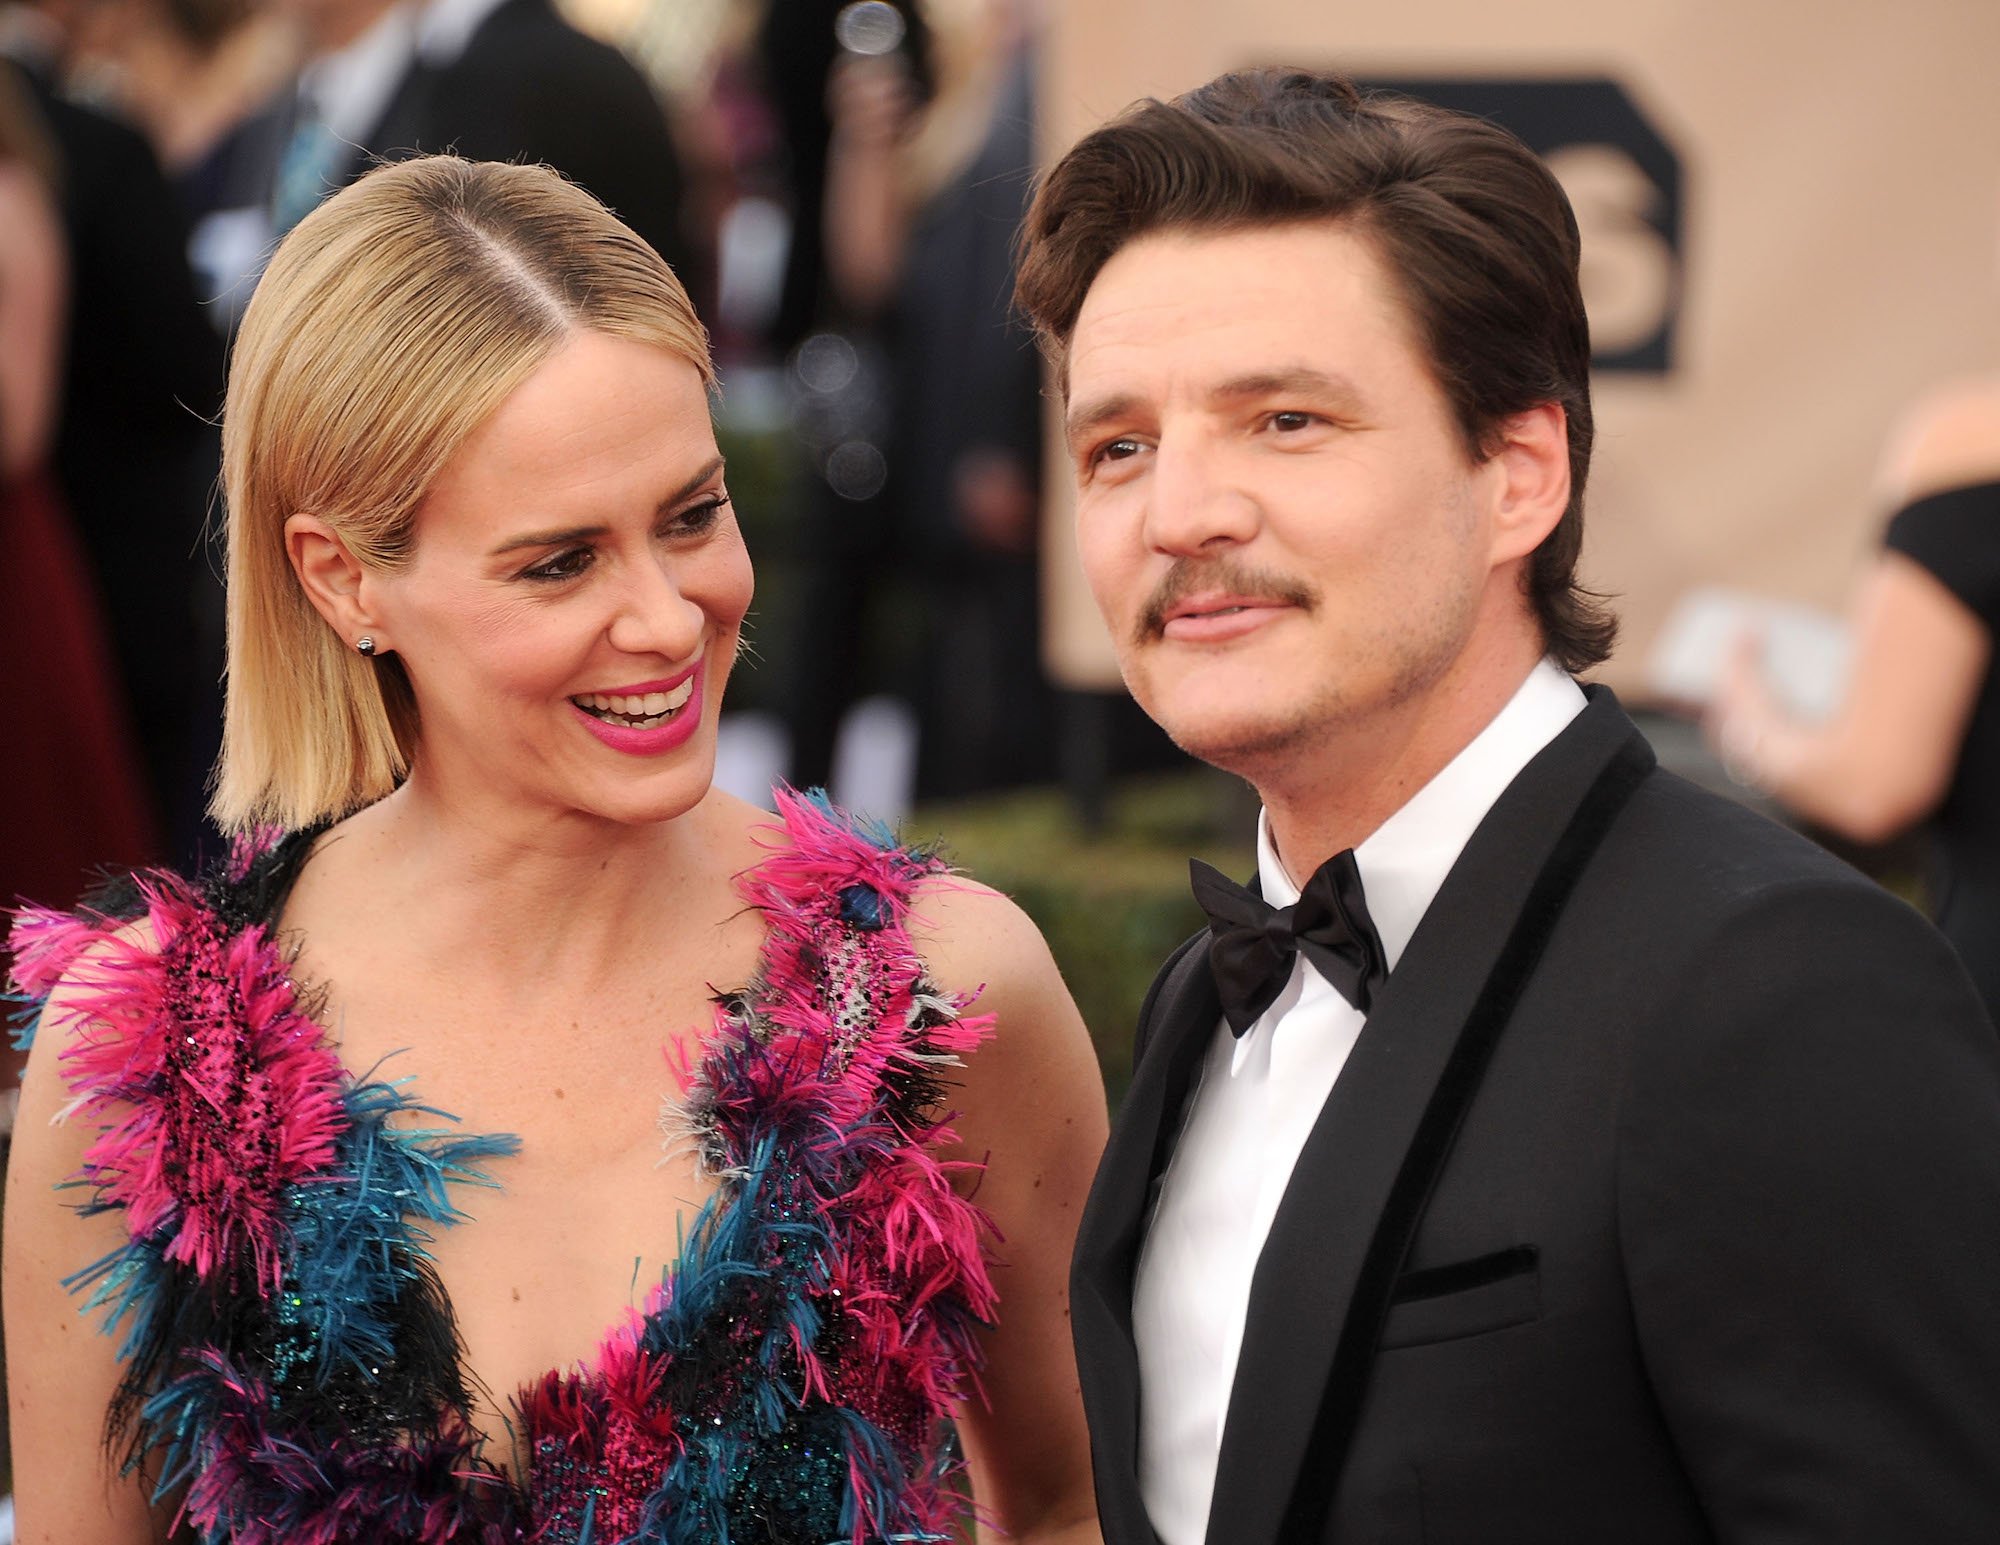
290 1362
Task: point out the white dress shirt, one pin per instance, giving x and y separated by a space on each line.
1256 1100
350 88
445 29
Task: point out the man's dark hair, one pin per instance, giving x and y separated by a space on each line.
1468 221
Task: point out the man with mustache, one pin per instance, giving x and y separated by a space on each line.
1544 1150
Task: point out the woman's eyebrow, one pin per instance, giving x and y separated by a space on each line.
565 534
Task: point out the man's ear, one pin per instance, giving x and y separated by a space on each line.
335 581
1532 469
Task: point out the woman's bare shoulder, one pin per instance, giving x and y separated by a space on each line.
979 944
970 933
66 962
1948 438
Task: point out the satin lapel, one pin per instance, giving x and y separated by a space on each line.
1334 1205
1181 1019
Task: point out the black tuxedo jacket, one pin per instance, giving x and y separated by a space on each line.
1658 1202
530 87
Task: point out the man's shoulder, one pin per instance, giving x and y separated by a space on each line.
548 65
535 26
1751 921
1705 854
103 157
1691 892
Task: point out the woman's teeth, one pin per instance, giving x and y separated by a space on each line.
640 711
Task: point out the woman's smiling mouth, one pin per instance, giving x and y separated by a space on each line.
637 710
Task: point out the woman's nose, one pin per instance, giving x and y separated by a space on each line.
655 616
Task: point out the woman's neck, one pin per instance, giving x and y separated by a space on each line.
506 889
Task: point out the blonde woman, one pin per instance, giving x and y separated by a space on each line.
368 1122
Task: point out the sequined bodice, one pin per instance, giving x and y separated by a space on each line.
291 1370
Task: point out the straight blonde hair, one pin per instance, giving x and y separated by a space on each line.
390 324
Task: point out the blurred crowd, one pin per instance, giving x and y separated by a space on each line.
839 185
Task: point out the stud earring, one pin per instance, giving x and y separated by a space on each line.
365 645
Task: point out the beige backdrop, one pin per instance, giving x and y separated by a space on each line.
1841 189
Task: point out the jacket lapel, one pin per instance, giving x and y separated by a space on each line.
1178 1022
1337 1201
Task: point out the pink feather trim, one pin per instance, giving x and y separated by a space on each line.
212 1089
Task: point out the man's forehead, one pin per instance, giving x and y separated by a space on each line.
1166 288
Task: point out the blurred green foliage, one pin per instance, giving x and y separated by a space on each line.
1112 903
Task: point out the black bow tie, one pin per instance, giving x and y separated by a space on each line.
1251 942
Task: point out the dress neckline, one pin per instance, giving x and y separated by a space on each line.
288 1358
269 883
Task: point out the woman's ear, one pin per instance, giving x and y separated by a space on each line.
335 581
1533 462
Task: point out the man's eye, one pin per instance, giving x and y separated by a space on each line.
1117 450
1289 421
564 565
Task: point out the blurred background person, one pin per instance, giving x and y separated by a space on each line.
1917 734
850 641
913 150
74 798
318 132
134 451
921 224
187 74
513 80
796 49
495 80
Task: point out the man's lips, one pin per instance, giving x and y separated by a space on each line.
1213 617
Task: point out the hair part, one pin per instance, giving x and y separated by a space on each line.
390 325
1471 226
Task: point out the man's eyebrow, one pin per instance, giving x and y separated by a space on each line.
1304 380
566 534
1292 380
1082 421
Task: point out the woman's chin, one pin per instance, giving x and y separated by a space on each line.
658 799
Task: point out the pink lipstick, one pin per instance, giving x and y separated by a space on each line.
667 712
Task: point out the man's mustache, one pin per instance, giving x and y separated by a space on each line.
1191 576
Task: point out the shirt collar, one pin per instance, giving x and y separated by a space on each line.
31 40
446 26
349 89
1406 859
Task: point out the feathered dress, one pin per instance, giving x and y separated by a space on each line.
291 1371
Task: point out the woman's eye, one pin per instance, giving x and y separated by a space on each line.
564 565
694 521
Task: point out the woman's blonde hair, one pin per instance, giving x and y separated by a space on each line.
392 321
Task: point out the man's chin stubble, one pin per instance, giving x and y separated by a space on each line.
1250 749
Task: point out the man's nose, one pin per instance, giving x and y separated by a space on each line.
1194 504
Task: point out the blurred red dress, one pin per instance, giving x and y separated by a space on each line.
73 800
